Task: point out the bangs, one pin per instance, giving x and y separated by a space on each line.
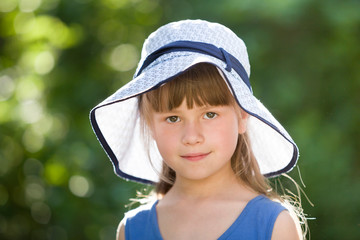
201 85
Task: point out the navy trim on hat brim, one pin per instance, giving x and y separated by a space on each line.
288 168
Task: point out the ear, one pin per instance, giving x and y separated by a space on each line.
243 118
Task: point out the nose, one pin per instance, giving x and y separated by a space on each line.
192 133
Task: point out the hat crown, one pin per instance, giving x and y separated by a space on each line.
197 31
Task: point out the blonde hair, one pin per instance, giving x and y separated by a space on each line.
202 85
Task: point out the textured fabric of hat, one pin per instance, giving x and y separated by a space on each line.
116 122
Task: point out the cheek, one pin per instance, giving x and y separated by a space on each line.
165 140
230 139
225 134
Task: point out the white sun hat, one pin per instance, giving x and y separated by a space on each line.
166 53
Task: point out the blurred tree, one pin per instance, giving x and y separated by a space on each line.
60 58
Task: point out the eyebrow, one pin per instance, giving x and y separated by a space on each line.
202 108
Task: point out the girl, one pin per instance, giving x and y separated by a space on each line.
189 123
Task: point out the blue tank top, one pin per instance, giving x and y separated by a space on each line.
256 221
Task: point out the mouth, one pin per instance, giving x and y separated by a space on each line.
193 157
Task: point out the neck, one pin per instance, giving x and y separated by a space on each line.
211 188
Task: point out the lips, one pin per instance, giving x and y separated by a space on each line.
195 156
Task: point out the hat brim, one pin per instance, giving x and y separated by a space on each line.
116 122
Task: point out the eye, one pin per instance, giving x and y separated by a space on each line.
173 119
210 115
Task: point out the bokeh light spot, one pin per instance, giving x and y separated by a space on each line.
44 125
124 57
11 154
7 87
33 166
30 111
44 63
41 212
57 32
34 191
80 186
55 173
59 127
33 141
6 111
7 5
24 23
29 88
29 5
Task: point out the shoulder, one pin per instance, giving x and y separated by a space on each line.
282 223
286 227
261 214
120 233
142 210
134 220
267 209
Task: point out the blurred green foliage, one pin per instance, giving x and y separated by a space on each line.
59 58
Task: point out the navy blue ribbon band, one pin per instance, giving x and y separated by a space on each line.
200 47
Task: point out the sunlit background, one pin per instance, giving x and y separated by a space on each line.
59 58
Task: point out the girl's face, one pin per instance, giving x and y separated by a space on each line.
198 143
